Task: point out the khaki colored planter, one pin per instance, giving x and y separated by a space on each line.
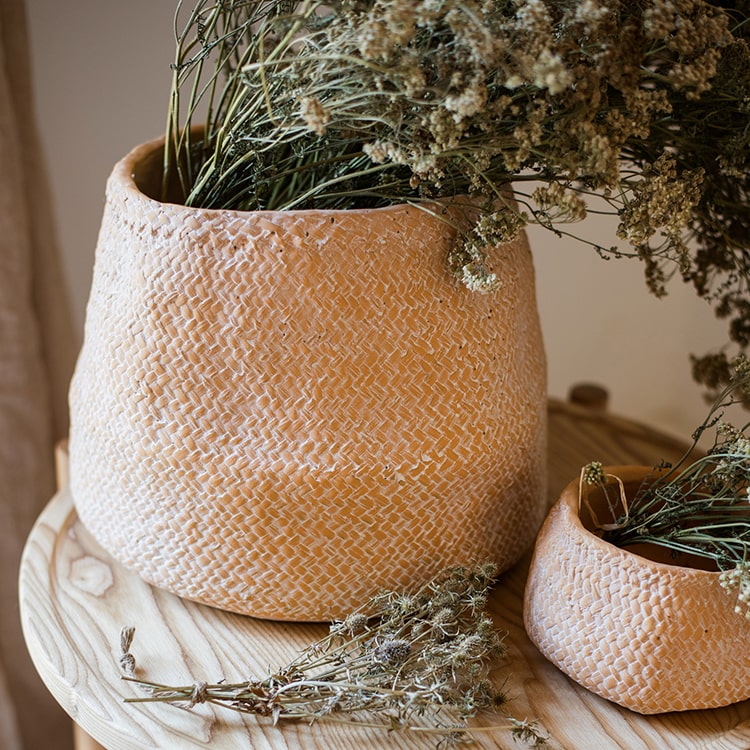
279 413
650 636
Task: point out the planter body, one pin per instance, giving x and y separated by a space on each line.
650 636
280 413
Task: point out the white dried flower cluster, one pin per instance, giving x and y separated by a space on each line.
477 278
533 17
472 99
738 579
537 63
733 441
493 228
550 72
590 14
384 151
468 261
559 202
663 201
315 115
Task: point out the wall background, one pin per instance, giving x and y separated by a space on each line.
101 75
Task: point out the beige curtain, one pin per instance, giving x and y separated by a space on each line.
36 355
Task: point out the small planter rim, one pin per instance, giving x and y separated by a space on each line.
569 505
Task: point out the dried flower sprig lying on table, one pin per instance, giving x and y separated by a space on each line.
701 505
403 663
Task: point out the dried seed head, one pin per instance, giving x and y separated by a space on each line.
352 624
393 652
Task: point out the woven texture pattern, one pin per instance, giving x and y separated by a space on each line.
279 413
649 636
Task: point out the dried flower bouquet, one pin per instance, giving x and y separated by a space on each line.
344 103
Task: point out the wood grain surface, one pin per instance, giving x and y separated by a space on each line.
75 599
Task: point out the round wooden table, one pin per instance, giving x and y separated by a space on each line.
75 599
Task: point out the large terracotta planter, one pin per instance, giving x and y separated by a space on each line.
648 635
279 413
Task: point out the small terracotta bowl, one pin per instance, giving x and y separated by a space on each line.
650 636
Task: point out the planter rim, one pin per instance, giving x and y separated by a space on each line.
569 506
125 173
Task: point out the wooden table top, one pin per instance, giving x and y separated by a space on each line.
75 599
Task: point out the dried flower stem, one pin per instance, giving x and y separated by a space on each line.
404 662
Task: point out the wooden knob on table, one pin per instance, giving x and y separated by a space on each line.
590 395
